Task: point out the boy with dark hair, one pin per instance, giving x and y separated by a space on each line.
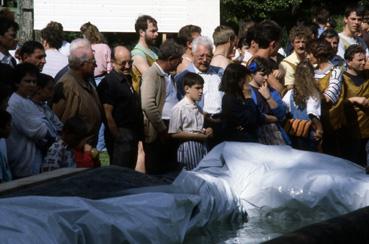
187 123
5 127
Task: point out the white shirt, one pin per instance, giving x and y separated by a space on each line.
212 97
313 106
186 116
65 48
346 41
55 61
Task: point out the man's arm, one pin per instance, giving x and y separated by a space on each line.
149 90
140 63
113 128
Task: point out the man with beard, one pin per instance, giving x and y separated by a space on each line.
352 22
299 37
143 54
122 108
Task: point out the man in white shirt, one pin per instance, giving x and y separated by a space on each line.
352 20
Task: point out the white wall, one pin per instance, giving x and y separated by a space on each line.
120 15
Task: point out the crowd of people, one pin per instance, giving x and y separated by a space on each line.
161 109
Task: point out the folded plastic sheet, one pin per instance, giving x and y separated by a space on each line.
266 181
281 184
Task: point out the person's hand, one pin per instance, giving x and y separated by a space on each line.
363 101
278 74
209 132
264 91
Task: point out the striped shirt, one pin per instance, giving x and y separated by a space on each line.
333 90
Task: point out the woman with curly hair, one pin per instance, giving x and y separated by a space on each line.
303 103
328 78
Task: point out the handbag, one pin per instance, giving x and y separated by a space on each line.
298 127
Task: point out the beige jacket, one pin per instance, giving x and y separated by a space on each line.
153 91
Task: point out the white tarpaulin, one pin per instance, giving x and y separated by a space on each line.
233 178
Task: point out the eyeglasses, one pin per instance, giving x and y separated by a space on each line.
124 63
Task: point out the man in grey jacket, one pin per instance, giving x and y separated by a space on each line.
153 93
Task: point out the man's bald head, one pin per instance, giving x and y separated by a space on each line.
121 58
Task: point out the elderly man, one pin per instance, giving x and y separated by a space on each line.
159 156
122 108
76 96
211 102
143 54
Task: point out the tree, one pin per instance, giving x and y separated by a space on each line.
234 10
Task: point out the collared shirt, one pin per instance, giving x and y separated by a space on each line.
211 101
7 59
116 90
186 116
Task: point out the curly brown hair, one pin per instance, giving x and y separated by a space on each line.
92 33
321 50
305 85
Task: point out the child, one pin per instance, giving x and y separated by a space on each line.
187 121
70 151
303 102
5 120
